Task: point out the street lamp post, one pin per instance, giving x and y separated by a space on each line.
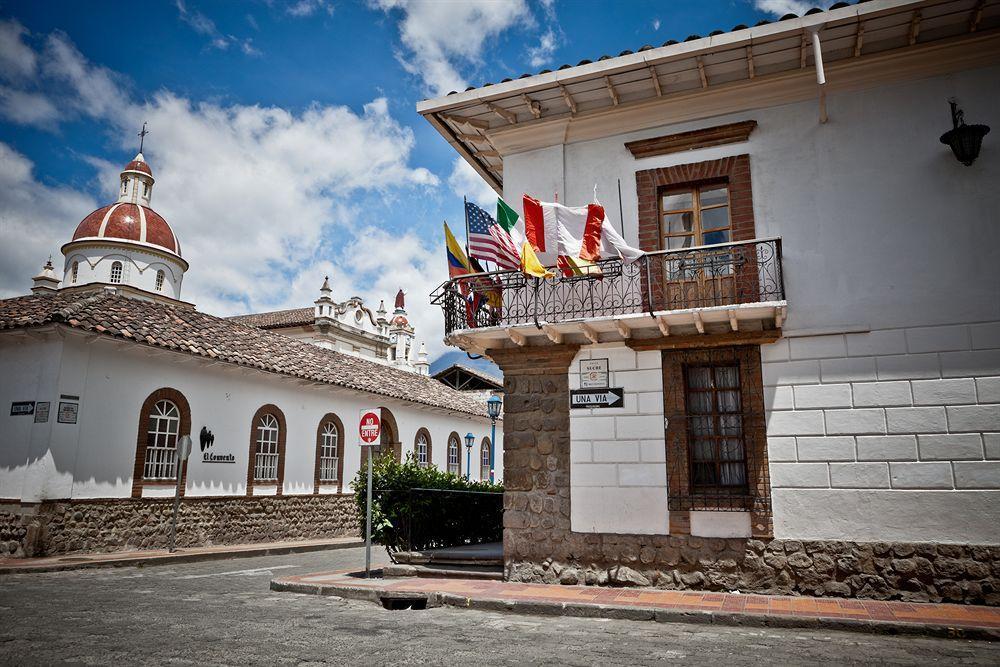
469 439
493 408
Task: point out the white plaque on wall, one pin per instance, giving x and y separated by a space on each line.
594 374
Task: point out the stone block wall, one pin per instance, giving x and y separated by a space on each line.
87 526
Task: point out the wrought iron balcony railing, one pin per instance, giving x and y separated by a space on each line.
728 274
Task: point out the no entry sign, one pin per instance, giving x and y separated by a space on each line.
369 427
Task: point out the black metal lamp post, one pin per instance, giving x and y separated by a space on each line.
965 140
469 439
493 409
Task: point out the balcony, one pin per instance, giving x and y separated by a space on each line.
731 288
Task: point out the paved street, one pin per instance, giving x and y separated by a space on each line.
222 612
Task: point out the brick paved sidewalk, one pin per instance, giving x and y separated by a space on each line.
162 556
947 620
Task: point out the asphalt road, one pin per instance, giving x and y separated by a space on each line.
223 613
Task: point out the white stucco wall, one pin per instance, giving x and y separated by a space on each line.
138 268
95 457
887 428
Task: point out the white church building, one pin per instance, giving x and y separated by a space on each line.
105 366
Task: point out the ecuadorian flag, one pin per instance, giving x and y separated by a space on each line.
458 263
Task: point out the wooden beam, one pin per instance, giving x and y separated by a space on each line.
685 141
487 153
699 341
701 72
553 334
698 324
750 69
461 136
623 329
589 334
471 122
570 102
661 322
914 27
859 39
804 49
779 316
534 106
519 338
656 80
503 113
977 16
733 322
611 90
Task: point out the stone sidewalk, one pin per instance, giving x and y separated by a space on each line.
940 620
162 556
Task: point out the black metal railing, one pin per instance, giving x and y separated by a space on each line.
418 519
717 275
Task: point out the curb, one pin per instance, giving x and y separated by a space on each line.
658 615
180 557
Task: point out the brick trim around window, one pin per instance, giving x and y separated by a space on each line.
685 141
275 412
734 171
183 428
330 417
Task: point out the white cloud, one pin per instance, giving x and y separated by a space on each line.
781 7
541 55
27 108
438 37
17 60
656 24
203 25
465 182
264 201
303 8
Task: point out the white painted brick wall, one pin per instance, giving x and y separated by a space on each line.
987 390
822 396
818 347
950 447
979 475
887 341
826 449
778 398
887 448
909 367
781 449
605 451
938 339
881 394
800 475
921 475
798 422
991 445
974 418
791 372
857 369
986 336
916 420
944 392
859 475
639 427
970 364
861 421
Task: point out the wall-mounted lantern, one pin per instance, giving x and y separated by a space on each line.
965 140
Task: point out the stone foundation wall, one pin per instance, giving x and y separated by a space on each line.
82 526
875 570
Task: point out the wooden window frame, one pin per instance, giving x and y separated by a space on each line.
336 421
457 439
697 232
416 454
484 459
142 438
274 411
716 488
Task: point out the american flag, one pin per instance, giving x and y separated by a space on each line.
488 240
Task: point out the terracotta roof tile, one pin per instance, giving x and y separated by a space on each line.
278 318
229 340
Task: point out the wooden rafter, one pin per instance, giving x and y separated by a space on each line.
698 324
662 323
977 16
570 102
503 113
750 70
733 322
471 122
553 334
488 153
461 136
517 337
611 90
859 39
914 27
623 329
701 72
656 80
589 333
534 106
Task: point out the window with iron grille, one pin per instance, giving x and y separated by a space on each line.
159 280
161 442
76 272
329 456
716 452
266 454
116 272
454 449
422 450
484 460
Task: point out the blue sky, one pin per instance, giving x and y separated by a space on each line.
283 134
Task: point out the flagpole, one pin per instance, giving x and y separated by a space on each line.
465 209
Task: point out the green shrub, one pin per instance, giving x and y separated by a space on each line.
423 508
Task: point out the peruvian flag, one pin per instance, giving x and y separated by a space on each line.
573 231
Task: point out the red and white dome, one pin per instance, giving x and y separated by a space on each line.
124 221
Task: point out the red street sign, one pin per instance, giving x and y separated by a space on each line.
370 427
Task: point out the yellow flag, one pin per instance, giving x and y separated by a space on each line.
530 264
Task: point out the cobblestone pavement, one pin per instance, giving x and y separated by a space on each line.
222 612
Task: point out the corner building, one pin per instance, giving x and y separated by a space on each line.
808 355
105 368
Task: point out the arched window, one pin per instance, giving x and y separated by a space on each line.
159 280
266 454
454 455
422 448
75 272
161 442
484 460
266 464
329 453
124 185
164 416
145 189
116 272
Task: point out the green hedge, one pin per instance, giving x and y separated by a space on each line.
423 508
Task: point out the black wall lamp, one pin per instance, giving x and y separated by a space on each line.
965 140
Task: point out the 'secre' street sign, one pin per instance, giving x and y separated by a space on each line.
612 397
594 374
369 427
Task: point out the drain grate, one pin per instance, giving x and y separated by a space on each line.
396 603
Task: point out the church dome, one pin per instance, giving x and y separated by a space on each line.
124 221
138 164
401 321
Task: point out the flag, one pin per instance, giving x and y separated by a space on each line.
458 263
577 266
577 231
530 263
488 240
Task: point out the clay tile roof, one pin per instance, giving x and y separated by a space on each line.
191 332
277 319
